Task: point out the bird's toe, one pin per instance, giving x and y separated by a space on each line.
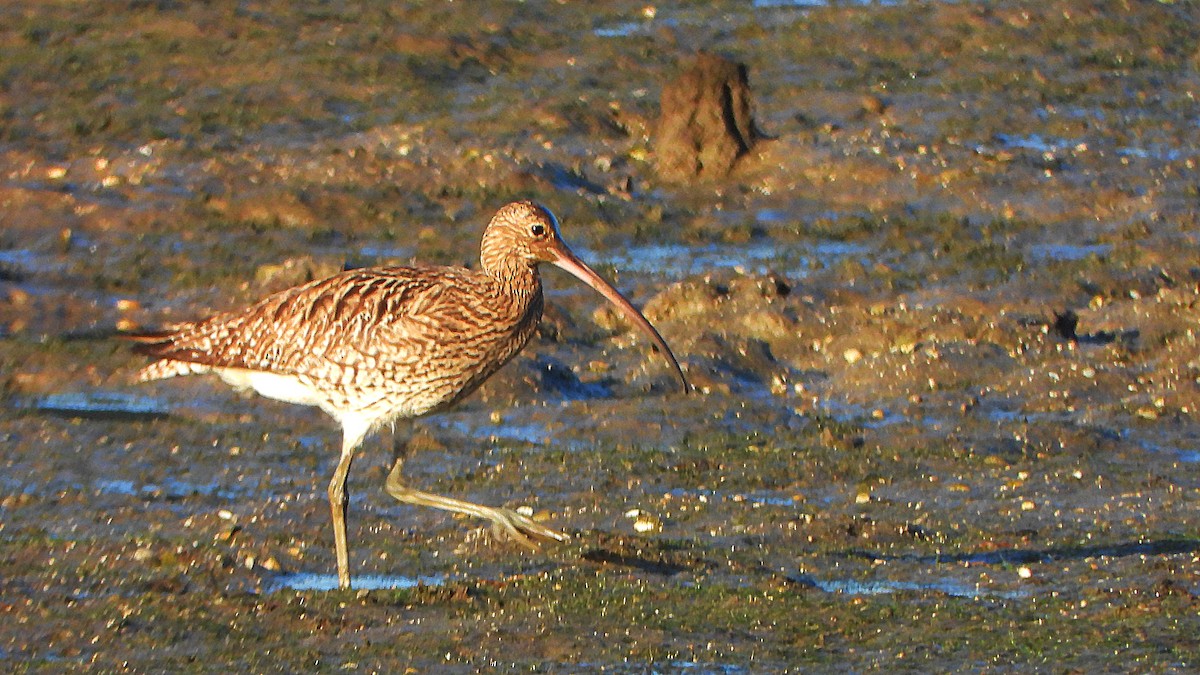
525 531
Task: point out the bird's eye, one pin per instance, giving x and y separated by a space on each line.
538 230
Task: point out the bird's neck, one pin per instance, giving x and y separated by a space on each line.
522 283
517 306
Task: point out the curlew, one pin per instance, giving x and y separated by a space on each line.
369 346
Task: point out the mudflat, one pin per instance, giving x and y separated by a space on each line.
941 319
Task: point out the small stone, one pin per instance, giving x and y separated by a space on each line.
646 523
852 355
872 104
643 521
17 297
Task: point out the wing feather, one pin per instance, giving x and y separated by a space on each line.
434 328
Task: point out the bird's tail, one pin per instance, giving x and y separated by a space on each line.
159 344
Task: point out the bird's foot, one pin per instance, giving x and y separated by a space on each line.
523 530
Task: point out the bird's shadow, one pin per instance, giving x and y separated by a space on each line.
611 558
1025 556
647 556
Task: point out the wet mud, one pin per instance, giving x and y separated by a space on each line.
941 320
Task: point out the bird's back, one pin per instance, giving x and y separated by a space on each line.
397 340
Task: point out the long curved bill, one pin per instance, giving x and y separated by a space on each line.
563 258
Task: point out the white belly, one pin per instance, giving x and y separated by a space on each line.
287 388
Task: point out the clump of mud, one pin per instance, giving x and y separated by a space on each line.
705 120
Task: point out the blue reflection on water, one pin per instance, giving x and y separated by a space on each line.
307 581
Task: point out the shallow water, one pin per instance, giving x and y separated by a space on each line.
101 404
679 261
303 581
884 587
172 489
1067 251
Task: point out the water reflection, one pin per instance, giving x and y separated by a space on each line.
1067 252
171 488
307 581
950 587
756 257
102 405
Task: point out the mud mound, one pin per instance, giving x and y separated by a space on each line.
706 120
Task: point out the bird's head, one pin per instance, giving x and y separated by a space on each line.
523 234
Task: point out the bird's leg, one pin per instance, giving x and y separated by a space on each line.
523 530
338 500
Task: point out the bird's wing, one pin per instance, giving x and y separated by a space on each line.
335 323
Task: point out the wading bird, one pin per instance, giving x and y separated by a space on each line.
369 346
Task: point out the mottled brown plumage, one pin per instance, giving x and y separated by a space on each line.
369 346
